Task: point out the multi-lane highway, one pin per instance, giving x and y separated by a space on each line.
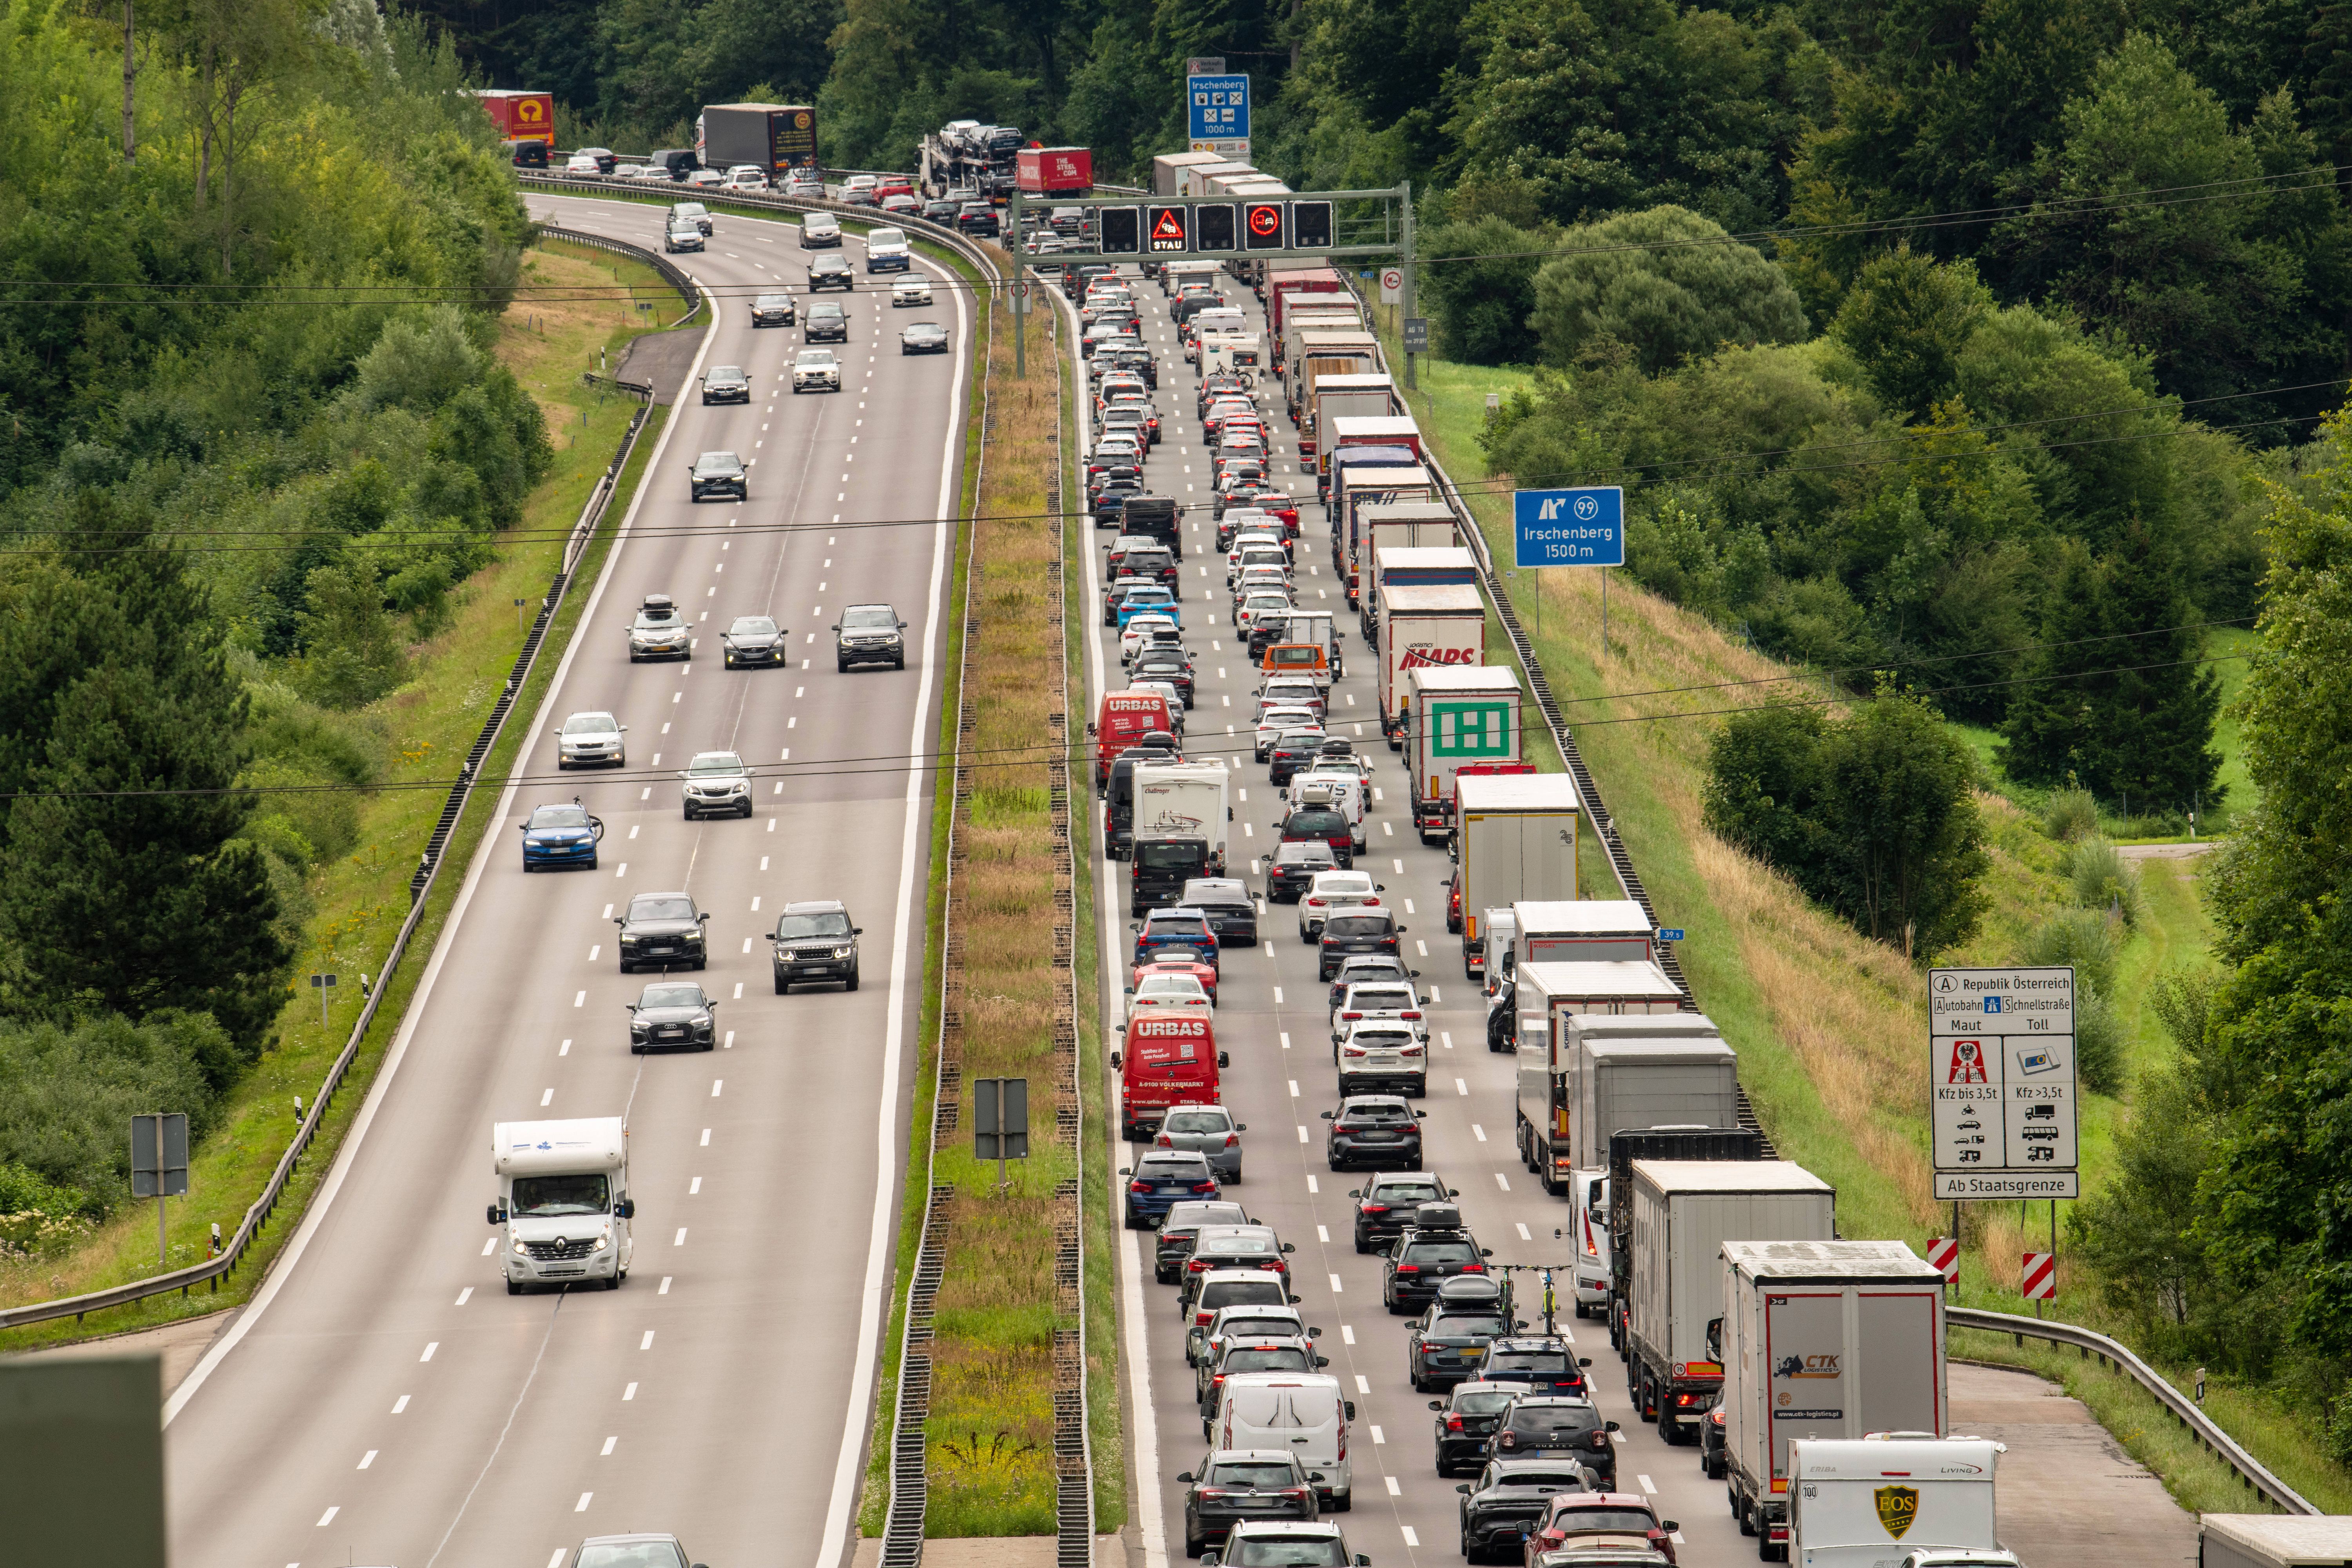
1272 1018
384 1399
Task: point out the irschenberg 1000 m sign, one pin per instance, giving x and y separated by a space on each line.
2001 1082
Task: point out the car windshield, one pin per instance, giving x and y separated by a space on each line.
715 763
753 626
1171 1167
1196 1120
630 1555
1273 1358
1407 1193
1239 1246
869 618
828 311
661 910
1481 1404
544 1197
1176 955
1528 1361
1184 985
671 996
726 372
1287 1552
830 924
1348 926
1485 1325
594 723
875 236
1317 853
1383 997
717 462
770 302
814 357
559 817
1552 1420
1380 1039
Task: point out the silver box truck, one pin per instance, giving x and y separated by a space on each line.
2272 1540
1547 996
1515 833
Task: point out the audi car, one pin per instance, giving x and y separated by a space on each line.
672 1014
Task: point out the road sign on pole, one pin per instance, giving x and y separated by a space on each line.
2001 1075
159 1165
1392 285
1569 527
1416 334
2039 1279
1000 1122
1944 1253
323 984
1168 229
1217 106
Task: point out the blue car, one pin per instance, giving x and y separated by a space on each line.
1153 600
1181 926
1164 1178
560 836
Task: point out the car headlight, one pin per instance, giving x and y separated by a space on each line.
843 951
602 1242
519 1246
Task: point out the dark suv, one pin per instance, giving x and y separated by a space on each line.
1377 1129
1233 913
1385 1205
1556 1428
1173 1247
663 930
1424 1257
1465 1421
825 323
1294 866
719 474
1447 1343
1539 1363
870 634
831 272
1318 821
1233 1484
1291 752
816 941
1356 931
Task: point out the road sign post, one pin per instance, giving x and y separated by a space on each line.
1580 527
1944 1253
159 1166
2038 1279
323 984
1000 1122
1217 112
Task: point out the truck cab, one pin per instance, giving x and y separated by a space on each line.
563 1208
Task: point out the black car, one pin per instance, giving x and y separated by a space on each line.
1572 1429
923 338
754 639
1288 755
870 634
1242 1483
1540 1364
1161 662
1359 931
1386 1204
977 218
1250 1356
815 941
941 211
1465 1421
663 930
1369 969
1293 866
1507 1503
1173 1246
831 272
726 383
774 311
719 474
827 323
1503 1017
1432 1250
672 1014
1160 1180
1447 1343
1233 913
1379 1129
1712 1462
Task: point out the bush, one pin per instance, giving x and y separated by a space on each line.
1666 283
2102 879
2071 813
1483 290
2085 939
2098 1039
67 1095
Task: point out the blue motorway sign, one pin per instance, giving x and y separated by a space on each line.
1569 527
1217 108
1670 934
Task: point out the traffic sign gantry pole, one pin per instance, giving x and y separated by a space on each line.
1019 343
1405 265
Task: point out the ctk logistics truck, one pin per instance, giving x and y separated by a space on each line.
771 136
1822 1339
1862 1503
1455 714
1180 813
563 1207
1684 1211
1516 833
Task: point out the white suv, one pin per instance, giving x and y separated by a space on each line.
1383 1057
911 290
747 177
816 368
716 781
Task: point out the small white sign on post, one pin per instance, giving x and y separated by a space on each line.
1392 285
2001 1077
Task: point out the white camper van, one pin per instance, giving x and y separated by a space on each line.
564 1202
1865 1502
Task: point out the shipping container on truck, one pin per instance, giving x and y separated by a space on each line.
1423 628
1368 395
1404 565
1292 286
1454 716
1180 816
2272 1540
1053 171
1545 997
1168 169
1684 1211
1514 836
771 136
520 116
1315 354
1319 313
1426 524
1858 1503
1362 487
1822 1339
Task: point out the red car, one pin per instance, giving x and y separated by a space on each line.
1177 961
1597 1519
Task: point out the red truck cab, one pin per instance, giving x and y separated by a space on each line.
1170 1058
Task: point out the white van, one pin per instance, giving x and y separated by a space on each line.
1300 1412
886 250
1868 1500
563 1203
1588 1232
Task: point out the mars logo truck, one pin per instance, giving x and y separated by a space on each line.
1420 656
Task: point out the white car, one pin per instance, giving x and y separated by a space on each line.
715 783
1379 1001
1255 539
1263 566
591 738
1133 635
1383 1058
1260 602
818 368
911 290
1169 990
1278 719
582 164
1297 690
746 178
1334 893
859 182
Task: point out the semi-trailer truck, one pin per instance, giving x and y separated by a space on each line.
1456 716
1515 834
771 136
1547 996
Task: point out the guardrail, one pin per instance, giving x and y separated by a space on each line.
671 273
2114 1353
249 1231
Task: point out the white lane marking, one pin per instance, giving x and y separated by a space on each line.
607 1450
468 1293
429 1349
1302 1138
1294 1088
1479 1131
547 1098
1395 1489
1335 1286
665 1285
1363 1383
1286 1039
1388 829
694 1186
1323 1232
1379 1436
706 1138
1347 1334
597 947
715 1084
1502 1181
489 1247
1523 1231
367 1458
1436 995
400 1405
327 1518
644 1344
1312 1186
580 998
628 1393
1422 945
1277 990
1460 1088
679 1239
1446 1036
581 1506
747 944
1648 1485
1409 1538
564 1049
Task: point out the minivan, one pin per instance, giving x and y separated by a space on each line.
1298 1413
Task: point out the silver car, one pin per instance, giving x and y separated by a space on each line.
681 234
820 230
1209 1130
659 631
590 740
1383 1058
716 781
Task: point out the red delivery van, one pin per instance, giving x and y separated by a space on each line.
1170 1058
1126 717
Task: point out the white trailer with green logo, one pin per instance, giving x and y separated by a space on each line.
1456 714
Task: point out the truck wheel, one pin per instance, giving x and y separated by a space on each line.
1739 1509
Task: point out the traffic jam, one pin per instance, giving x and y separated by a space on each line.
1361 943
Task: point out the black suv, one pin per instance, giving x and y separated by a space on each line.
664 931
815 941
870 634
831 272
827 323
719 474
1233 913
1288 755
977 218
1381 1128
1356 931
1447 1343
1539 1363
1242 1483
1158 661
1434 1249
1558 1429
1465 1421
1294 866
773 311
1385 1205
726 383
1507 1503
672 1014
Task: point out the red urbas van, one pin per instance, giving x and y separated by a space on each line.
1171 1060
1125 719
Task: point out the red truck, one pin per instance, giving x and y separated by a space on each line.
1286 285
1170 1058
520 116
1053 171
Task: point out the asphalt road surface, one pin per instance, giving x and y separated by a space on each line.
1272 1018
384 1400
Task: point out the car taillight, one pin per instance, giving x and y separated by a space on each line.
1408 1267
1414 1017
1201 1319
1204 1186
1139 1186
1409 1050
1232 1139
1454 1424
1376 1208
1197 1266
1601 1440
1474 1269
1685 1400
1352 1051
1370 902
1351 1017
1294 1491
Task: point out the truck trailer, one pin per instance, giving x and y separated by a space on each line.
2272 1540
1457 715
1053 171
520 116
1855 1504
1547 996
1515 834
1370 395
771 136
1399 558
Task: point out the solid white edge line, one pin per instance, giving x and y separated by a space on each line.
858 1419
315 1214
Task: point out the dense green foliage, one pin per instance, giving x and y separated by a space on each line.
1873 815
250 438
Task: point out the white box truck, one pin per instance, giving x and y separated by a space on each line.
1314 354
1368 394
1169 169
1872 1501
1516 837
563 1208
1684 1211
1428 628
1458 716
2272 1540
1633 1084
1548 996
1410 523
1359 489
1822 1339
1404 565
1181 810
1569 930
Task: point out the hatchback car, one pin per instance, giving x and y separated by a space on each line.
1220 1289
1160 1179
560 836
1223 1248
1365 930
1293 866
715 784
1255 1543
1179 1225
591 738
672 1014
815 941
773 311
681 236
923 338
1447 1343
1385 1205
754 640
820 231
726 383
1543 1427
627 1552
1464 1422
831 272
1233 1484
662 930
1177 926
1291 752
870 634
827 323
1332 893
694 213
911 290
1377 1129
1421 1259
1576 1524
1233 913
719 474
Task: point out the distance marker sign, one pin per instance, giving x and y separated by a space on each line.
2001 1082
